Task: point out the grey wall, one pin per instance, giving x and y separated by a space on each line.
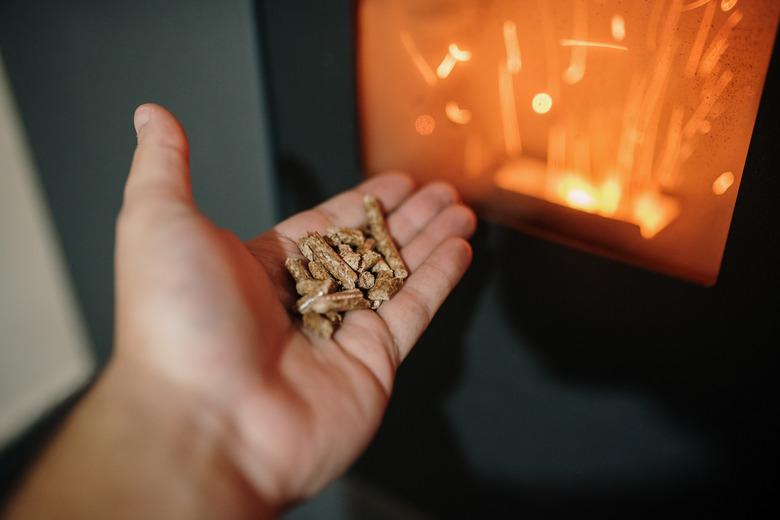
78 70
44 355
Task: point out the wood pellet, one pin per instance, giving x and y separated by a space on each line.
346 269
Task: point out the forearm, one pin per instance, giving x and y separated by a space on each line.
137 447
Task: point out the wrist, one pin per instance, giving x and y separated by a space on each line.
188 440
138 446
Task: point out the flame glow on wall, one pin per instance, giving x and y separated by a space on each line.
619 126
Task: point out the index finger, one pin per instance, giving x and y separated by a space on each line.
346 209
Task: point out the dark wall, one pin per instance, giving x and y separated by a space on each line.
79 68
554 382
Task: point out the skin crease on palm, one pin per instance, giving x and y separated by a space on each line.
214 394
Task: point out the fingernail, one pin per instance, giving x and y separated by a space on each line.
141 117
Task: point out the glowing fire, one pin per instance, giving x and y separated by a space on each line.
618 27
456 114
631 191
722 184
578 194
542 103
595 45
514 60
649 211
425 124
619 111
454 55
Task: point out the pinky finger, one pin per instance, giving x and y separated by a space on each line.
410 311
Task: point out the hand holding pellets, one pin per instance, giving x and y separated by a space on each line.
346 270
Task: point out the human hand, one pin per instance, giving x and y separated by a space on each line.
207 314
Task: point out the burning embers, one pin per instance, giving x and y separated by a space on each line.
628 112
635 182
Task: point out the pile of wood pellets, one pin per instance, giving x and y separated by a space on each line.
347 269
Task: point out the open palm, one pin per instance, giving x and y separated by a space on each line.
203 309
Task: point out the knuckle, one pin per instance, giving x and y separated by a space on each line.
401 222
328 216
446 191
402 176
417 303
392 347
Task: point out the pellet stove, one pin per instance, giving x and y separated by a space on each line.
620 127
554 381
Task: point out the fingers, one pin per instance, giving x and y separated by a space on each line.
437 257
343 210
419 209
434 203
160 171
346 209
455 221
411 310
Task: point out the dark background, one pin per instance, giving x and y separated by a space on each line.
552 383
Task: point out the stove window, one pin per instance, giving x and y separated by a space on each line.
621 127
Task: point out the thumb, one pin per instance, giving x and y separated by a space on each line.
160 173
